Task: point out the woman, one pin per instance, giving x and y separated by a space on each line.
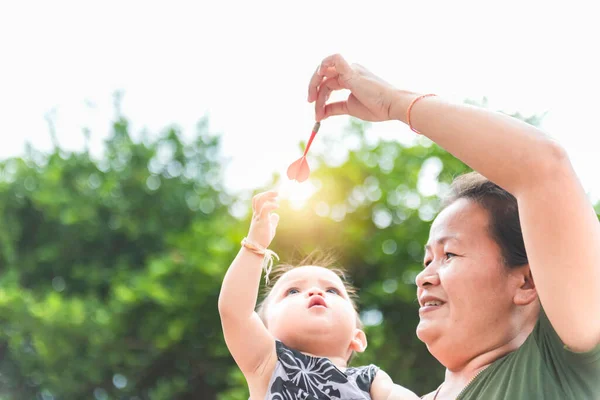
510 297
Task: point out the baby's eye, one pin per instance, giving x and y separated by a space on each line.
333 290
292 291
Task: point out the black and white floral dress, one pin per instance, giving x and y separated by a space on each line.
298 376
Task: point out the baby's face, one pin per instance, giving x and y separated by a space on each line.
309 309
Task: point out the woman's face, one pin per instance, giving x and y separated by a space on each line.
465 292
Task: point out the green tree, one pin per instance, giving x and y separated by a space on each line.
111 270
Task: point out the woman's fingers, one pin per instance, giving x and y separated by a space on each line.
313 85
370 98
337 108
338 64
328 86
334 66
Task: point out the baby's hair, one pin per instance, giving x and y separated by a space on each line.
323 260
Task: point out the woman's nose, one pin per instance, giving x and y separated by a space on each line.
427 277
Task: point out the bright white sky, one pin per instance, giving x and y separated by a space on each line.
247 65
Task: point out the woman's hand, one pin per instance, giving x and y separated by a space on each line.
371 98
264 222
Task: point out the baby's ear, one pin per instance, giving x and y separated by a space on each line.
359 341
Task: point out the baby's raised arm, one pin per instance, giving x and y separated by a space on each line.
249 342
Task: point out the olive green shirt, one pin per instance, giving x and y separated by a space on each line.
542 368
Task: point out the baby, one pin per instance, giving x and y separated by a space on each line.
299 343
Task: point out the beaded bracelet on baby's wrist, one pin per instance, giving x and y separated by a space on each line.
269 255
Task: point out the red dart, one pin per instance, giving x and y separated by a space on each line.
299 169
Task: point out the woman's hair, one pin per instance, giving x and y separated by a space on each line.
501 206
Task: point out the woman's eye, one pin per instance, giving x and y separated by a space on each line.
333 290
447 256
292 291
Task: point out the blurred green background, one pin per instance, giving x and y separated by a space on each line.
111 268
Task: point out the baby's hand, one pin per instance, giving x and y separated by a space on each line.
264 223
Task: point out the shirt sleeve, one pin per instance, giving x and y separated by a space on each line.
577 373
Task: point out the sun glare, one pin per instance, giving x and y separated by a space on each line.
296 193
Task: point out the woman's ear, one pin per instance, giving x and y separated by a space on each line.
525 293
359 341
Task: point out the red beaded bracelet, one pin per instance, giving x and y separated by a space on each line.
410 108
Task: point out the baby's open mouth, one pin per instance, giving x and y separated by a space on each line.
316 301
